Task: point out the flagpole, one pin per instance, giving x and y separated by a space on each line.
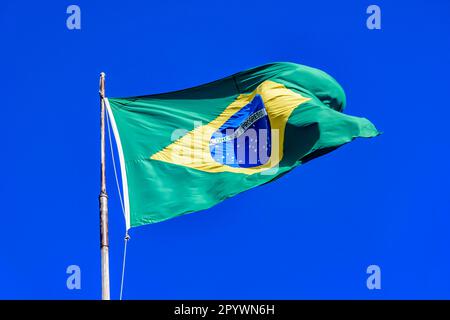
103 198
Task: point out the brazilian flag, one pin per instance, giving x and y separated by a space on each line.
188 150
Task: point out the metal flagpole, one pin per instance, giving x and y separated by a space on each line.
103 199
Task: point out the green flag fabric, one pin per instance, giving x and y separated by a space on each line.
188 150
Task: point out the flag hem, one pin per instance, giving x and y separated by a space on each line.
123 172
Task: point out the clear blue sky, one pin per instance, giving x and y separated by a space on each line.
311 234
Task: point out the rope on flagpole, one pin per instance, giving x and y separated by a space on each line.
127 236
